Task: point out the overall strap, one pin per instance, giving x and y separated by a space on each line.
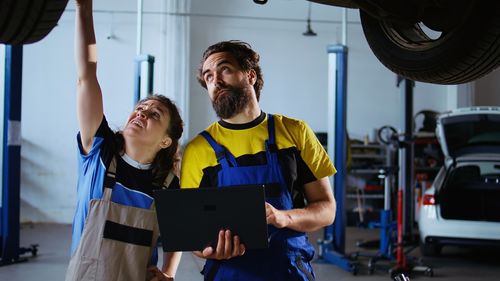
110 178
271 141
168 179
221 153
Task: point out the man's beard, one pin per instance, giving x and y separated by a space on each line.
232 102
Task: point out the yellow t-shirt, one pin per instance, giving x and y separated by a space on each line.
301 156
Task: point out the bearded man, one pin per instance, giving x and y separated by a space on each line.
246 147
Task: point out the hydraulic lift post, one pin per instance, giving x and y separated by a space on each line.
10 252
332 246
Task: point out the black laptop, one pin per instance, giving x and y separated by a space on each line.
190 219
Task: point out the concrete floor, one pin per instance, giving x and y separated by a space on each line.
54 240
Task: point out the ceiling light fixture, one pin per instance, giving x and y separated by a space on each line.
309 31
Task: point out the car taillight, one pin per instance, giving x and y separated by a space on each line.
428 200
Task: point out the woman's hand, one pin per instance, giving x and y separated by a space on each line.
80 3
158 275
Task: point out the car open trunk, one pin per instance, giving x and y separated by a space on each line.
476 132
471 192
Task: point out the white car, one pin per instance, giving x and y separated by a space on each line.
462 207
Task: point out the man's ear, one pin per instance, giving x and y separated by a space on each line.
252 76
166 142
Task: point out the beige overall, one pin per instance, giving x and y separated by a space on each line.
101 258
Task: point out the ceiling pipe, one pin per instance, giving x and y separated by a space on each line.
344 26
139 27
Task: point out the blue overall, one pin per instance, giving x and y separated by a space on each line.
289 252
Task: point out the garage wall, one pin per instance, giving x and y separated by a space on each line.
487 89
295 71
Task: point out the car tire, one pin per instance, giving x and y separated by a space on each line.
466 51
28 21
430 250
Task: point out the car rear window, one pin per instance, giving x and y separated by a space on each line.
472 134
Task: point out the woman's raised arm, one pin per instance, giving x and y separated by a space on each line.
89 96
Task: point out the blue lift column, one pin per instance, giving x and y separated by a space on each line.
332 247
9 222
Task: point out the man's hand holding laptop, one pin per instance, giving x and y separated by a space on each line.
226 250
226 247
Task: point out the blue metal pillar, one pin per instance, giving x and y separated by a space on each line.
138 76
332 248
9 227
